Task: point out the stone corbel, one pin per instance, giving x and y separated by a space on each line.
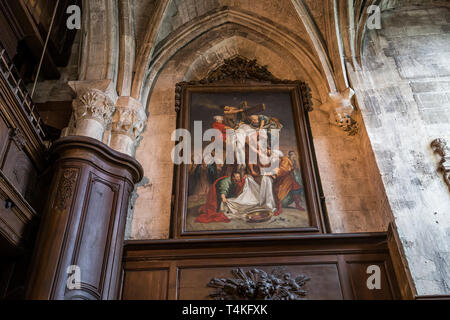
127 125
441 147
340 109
92 108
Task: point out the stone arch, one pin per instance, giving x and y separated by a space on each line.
212 57
259 28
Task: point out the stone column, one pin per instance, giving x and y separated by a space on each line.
92 109
81 235
127 125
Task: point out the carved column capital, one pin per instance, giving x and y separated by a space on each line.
340 109
128 123
441 147
92 108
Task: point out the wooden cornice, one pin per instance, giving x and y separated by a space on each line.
137 250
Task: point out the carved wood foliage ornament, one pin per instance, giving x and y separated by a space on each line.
66 187
257 284
441 147
239 70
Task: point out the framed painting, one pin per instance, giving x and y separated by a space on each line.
228 195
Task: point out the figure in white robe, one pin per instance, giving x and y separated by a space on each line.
254 197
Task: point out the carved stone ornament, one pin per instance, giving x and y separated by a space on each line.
241 70
257 284
94 104
340 110
129 118
441 147
66 187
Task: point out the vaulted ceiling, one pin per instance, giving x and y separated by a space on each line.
309 25
130 41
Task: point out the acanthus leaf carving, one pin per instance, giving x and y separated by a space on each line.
257 284
129 118
66 187
94 104
241 70
441 148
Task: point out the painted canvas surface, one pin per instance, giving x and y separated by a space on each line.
228 197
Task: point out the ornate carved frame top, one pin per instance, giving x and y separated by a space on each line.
240 70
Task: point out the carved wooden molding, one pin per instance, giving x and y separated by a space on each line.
441 147
257 284
240 70
66 188
18 138
13 225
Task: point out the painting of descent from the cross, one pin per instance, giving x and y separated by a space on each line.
226 197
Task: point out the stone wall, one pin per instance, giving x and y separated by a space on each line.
404 94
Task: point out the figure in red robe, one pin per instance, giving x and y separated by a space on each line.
223 189
219 125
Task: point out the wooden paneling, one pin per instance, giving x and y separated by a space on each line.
357 270
406 284
22 163
146 284
19 162
18 184
102 198
4 133
324 284
20 171
336 264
